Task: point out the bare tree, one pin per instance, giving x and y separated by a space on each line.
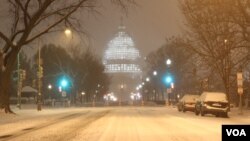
214 37
182 69
240 15
29 20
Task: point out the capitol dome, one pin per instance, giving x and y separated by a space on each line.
121 55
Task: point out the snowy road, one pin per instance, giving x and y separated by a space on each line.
113 124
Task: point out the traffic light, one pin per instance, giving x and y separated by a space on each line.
40 72
168 79
24 74
64 83
15 75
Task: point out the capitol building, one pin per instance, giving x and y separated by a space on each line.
122 62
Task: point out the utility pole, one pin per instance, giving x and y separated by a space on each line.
121 93
227 69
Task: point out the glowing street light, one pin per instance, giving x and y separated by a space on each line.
168 62
225 41
137 88
147 79
83 93
67 32
49 86
155 73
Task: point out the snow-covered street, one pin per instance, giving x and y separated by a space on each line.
114 124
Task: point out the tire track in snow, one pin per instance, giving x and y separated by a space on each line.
33 129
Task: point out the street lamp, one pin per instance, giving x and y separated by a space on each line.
120 99
168 79
147 79
82 94
225 41
50 87
137 88
168 62
155 73
67 32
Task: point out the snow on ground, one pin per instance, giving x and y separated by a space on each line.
114 124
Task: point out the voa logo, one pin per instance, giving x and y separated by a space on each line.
236 132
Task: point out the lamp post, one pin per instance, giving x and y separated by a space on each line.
227 65
50 87
69 35
94 96
120 99
155 73
155 94
168 62
82 95
168 80
39 75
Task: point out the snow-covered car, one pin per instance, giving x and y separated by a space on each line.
215 103
187 103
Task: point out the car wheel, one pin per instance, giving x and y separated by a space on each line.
179 109
202 112
196 113
225 115
183 110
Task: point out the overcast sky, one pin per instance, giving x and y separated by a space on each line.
149 24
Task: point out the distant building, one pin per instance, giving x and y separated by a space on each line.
122 62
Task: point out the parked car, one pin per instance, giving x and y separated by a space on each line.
215 103
187 103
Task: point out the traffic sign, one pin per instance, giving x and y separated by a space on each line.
239 76
64 94
240 90
169 90
240 83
